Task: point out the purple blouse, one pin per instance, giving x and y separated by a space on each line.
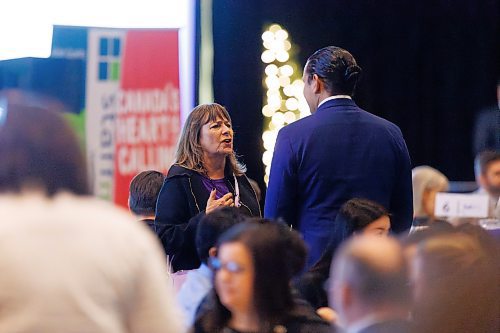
219 184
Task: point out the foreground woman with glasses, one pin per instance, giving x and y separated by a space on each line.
253 268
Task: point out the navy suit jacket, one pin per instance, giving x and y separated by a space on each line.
338 153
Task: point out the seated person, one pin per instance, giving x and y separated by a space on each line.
143 193
252 293
427 182
356 216
70 262
487 171
455 284
369 286
198 281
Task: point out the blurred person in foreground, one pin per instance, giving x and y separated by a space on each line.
253 268
369 287
198 281
143 194
455 283
69 262
356 217
205 176
426 182
337 153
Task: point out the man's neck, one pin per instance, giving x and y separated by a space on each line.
329 98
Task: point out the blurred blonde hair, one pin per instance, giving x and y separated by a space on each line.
425 178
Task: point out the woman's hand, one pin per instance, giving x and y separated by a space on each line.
212 203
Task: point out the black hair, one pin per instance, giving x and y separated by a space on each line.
39 149
278 253
212 225
143 192
353 216
336 67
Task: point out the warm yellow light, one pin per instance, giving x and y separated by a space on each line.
292 104
281 34
278 119
271 70
274 101
267 111
272 82
298 88
267 56
267 36
267 157
282 56
286 70
274 28
290 117
288 90
284 81
287 45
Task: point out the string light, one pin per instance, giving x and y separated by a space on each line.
284 89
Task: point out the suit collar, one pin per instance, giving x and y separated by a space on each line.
338 102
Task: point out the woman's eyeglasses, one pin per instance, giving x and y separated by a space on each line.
230 266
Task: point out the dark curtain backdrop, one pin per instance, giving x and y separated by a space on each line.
429 66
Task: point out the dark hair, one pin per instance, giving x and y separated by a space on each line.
483 159
278 253
212 225
460 280
143 192
336 67
39 149
353 216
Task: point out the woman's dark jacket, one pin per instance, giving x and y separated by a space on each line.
300 319
181 204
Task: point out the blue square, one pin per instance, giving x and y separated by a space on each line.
116 47
103 71
103 46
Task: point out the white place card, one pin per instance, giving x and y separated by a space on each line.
461 205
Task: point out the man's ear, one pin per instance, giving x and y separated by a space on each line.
317 84
212 252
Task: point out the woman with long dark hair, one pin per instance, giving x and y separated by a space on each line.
252 293
356 216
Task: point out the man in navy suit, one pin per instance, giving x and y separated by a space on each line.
338 153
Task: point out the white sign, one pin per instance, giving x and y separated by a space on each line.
461 205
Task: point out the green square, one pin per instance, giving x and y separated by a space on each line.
115 71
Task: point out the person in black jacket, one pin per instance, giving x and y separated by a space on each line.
205 175
252 292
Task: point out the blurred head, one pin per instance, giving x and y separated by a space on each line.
427 182
257 262
369 275
455 285
487 170
207 131
212 226
331 70
143 192
39 150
